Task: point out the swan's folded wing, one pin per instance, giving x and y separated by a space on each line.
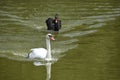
38 53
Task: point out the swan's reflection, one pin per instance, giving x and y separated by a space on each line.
48 68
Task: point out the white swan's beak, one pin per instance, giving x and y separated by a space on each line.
52 38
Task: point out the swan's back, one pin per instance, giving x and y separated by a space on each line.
38 53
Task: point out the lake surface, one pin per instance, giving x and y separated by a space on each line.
86 48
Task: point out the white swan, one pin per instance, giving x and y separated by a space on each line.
42 52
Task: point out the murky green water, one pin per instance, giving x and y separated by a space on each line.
86 48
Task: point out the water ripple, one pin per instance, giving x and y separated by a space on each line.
79 33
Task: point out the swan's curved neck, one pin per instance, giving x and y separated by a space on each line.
48 48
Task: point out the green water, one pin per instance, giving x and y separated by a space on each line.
86 48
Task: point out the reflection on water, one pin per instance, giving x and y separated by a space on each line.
48 68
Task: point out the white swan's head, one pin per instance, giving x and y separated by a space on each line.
50 36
